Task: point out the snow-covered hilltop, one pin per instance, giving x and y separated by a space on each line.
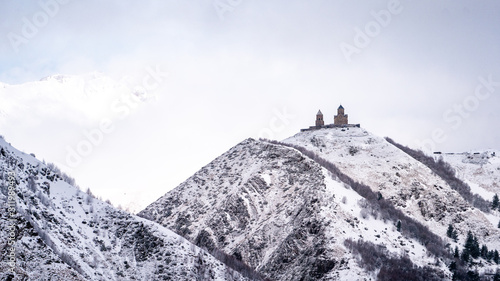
62 233
410 185
336 203
292 214
265 204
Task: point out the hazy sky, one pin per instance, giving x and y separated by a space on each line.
426 73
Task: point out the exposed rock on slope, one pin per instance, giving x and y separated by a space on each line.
280 212
64 234
410 185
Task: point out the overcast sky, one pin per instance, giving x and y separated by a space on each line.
426 73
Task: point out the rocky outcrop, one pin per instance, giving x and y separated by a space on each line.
62 233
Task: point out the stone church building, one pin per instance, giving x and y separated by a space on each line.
339 120
319 119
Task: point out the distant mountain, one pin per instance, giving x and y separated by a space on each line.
73 117
330 204
62 233
481 170
80 98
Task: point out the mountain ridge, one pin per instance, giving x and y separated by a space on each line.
307 208
62 233
223 179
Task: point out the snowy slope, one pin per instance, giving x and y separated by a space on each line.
65 234
407 183
281 213
481 170
75 118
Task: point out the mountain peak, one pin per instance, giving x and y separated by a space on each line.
305 206
62 233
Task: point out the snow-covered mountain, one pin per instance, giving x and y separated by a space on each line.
297 216
262 203
410 185
328 204
480 170
76 119
62 233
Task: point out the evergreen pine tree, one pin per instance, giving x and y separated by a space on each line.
453 266
497 276
495 204
496 258
465 255
490 255
398 226
476 250
454 236
473 275
456 254
484 251
471 245
449 232
469 241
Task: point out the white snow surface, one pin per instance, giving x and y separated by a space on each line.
409 184
67 234
252 199
479 169
280 211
